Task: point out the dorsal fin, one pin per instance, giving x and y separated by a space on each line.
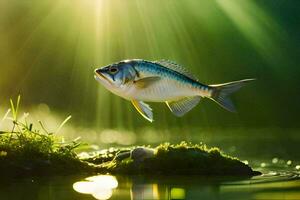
176 67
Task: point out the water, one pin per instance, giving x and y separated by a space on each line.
277 182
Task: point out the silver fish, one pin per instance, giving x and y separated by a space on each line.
162 81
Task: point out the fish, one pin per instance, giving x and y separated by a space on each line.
141 81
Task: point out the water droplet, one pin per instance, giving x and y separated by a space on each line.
297 167
289 162
263 164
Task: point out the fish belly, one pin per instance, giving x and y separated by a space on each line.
164 90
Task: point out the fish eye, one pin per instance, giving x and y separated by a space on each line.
113 70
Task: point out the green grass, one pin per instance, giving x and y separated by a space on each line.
28 150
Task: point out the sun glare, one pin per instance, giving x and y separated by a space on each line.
100 187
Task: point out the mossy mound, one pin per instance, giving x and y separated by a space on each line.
34 154
167 159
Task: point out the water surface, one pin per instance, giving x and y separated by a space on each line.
275 157
277 182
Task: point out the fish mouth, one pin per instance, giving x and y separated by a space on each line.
100 76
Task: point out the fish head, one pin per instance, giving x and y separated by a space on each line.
116 76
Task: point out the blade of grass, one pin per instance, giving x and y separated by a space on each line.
5 116
12 108
13 114
18 106
76 139
63 123
15 108
43 127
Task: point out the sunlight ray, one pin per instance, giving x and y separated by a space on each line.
256 25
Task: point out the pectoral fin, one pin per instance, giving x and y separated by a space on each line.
147 81
179 108
144 109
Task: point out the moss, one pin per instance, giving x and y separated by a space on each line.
31 153
105 155
183 159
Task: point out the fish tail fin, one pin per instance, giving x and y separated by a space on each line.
221 92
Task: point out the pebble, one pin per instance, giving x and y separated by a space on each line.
141 153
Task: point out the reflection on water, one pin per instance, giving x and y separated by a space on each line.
100 187
177 193
144 191
277 182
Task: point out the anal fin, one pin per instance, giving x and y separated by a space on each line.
182 106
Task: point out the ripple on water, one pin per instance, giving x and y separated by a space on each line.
270 176
273 184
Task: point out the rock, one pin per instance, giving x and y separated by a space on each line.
122 156
139 154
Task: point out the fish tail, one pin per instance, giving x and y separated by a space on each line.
221 92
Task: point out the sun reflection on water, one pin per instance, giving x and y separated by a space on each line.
100 187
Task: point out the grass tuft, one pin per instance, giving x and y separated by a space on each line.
26 150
